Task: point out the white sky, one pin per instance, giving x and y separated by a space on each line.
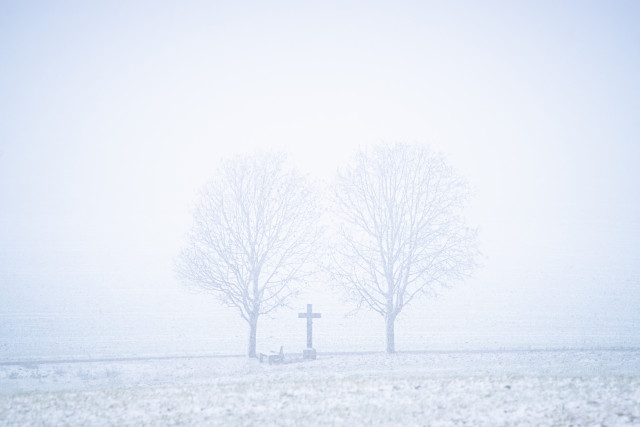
113 114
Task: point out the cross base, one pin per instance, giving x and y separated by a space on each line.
309 354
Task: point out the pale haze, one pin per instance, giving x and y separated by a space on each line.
115 114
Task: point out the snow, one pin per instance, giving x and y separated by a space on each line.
437 388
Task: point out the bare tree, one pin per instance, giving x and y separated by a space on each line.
401 229
253 232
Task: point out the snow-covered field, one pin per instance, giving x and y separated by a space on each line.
438 388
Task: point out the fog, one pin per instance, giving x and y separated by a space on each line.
114 115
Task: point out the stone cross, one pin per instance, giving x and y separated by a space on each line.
310 316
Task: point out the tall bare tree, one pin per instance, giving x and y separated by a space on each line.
253 233
401 229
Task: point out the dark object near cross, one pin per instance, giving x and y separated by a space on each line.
310 316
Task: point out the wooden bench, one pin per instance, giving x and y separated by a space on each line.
273 358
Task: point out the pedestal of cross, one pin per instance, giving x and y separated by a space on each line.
309 352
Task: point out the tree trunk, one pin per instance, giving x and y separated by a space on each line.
391 340
253 327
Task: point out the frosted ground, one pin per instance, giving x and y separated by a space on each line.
156 370
433 388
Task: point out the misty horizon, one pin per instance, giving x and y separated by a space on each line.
116 116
